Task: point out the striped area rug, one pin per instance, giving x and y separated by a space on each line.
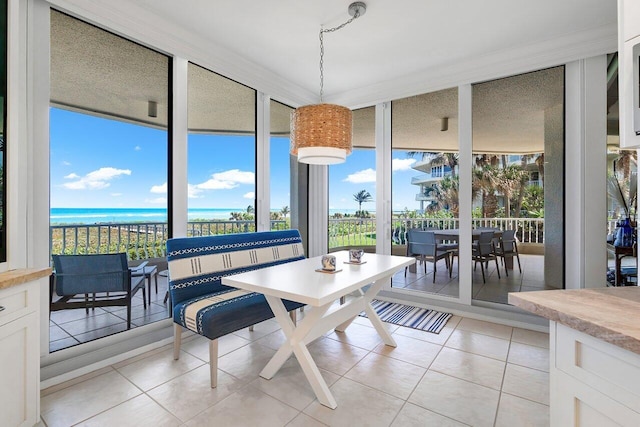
412 317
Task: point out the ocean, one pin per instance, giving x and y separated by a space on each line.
125 215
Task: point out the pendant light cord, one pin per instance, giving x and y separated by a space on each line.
330 30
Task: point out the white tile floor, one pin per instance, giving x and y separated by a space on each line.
473 373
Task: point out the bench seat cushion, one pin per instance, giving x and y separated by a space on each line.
220 313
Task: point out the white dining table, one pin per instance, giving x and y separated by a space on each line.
299 281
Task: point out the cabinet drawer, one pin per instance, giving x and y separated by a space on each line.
16 302
605 367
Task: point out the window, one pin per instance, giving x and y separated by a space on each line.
424 143
221 154
280 167
109 130
518 149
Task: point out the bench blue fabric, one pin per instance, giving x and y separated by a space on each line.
201 303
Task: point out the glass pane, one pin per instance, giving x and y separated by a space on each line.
108 163
518 148
280 167
352 222
221 154
424 142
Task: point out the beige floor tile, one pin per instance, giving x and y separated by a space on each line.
455 398
304 420
515 411
76 380
274 340
199 347
419 334
246 362
291 386
483 345
411 350
528 383
486 328
386 374
246 407
529 356
471 367
83 400
335 356
141 411
358 336
158 368
191 393
526 336
358 405
259 330
414 416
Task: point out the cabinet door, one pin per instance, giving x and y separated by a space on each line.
19 372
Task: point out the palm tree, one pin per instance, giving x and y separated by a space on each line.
284 211
361 197
250 209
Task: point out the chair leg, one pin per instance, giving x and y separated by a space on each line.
129 312
497 268
293 315
482 268
518 258
177 336
251 328
506 270
213 362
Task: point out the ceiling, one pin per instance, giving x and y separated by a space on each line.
396 51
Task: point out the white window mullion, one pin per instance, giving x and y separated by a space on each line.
180 196
263 154
465 165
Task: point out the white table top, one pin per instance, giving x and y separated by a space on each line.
298 280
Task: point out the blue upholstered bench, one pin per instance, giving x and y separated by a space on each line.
202 304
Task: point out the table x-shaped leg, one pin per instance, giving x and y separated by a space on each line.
296 343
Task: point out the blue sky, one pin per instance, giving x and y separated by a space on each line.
105 163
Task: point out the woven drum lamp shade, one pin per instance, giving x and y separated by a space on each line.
321 134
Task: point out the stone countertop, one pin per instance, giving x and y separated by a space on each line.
22 275
610 314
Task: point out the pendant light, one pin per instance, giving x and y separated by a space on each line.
321 133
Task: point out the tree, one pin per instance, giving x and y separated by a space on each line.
285 211
361 197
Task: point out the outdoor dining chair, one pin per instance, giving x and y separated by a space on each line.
423 244
89 281
484 251
508 248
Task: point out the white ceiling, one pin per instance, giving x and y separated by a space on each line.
408 51
394 42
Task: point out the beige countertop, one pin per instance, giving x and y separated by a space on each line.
22 275
610 314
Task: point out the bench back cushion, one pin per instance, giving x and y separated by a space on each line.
198 264
87 274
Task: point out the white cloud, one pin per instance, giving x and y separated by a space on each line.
250 195
361 177
159 189
96 180
227 180
138 148
116 194
65 163
401 164
193 192
157 201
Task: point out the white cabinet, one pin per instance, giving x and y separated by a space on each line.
629 92
593 383
19 355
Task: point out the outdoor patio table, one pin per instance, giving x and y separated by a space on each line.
299 281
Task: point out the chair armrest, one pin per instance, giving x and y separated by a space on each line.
138 269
